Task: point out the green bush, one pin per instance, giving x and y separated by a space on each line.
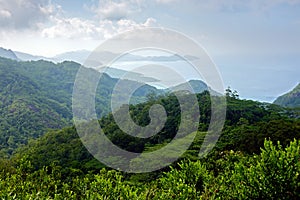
274 174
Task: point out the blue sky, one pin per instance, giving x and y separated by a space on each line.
255 43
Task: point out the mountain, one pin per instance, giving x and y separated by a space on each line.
197 86
81 56
7 53
28 57
30 106
119 73
76 56
36 96
290 99
58 164
248 123
194 87
128 57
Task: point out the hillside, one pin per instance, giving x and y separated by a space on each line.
197 86
28 107
58 165
248 124
290 99
40 159
5 53
37 95
28 57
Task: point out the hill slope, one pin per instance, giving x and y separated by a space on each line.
28 57
36 96
8 54
248 124
291 99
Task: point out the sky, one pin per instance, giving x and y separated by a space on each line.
254 43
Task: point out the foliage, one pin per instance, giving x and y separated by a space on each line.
189 181
36 96
248 124
272 174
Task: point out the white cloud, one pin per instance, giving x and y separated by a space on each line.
73 28
112 10
150 22
70 28
127 24
5 14
116 10
43 22
24 14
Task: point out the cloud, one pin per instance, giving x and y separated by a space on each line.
42 18
127 24
70 28
24 14
116 10
73 28
113 10
5 14
166 1
150 22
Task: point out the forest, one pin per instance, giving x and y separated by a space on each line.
42 157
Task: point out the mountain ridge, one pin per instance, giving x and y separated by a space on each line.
37 96
8 53
290 99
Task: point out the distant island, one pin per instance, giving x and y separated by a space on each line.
290 99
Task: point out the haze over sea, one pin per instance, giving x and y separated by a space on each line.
256 80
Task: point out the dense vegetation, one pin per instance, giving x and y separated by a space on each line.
272 174
256 157
58 166
36 96
248 124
